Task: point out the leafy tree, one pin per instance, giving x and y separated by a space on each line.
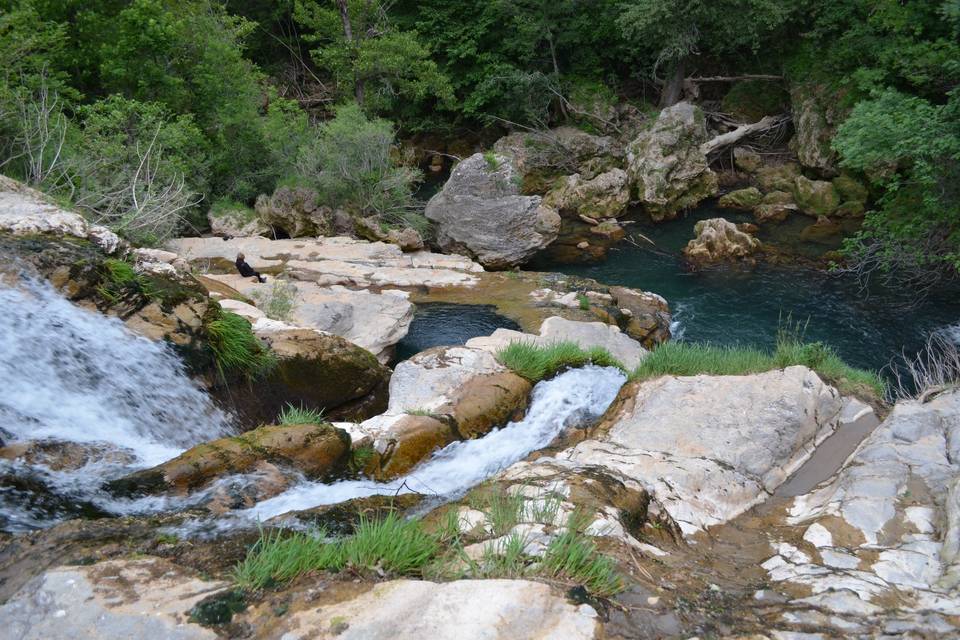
353 162
678 30
910 148
135 167
368 56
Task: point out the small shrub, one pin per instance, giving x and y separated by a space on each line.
935 368
278 301
300 415
535 362
235 349
226 208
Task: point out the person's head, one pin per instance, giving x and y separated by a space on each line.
239 257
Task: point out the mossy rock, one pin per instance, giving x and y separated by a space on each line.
815 197
850 189
744 199
851 209
778 177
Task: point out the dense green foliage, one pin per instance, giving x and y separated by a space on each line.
236 351
228 99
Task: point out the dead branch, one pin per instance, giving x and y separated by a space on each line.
766 123
757 76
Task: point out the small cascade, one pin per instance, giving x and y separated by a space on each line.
576 397
69 376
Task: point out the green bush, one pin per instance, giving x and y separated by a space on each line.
353 161
236 351
535 362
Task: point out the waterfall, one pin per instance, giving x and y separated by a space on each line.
72 375
573 398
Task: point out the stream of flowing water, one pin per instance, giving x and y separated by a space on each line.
574 398
73 377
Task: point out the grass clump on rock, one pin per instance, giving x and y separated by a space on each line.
690 359
300 415
392 544
536 362
236 351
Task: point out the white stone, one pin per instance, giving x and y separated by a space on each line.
818 535
464 609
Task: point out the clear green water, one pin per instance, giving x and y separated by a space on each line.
730 306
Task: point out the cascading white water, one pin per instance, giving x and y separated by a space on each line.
72 375
574 397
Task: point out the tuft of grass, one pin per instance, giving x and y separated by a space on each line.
491 159
118 278
277 557
419 412
584 302
535 362
235 349
360 457
300 415
392 544
574 557
689 359
504 511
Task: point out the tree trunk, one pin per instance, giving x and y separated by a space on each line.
741 132
348 35
673 89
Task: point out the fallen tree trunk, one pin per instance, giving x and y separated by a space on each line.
732 137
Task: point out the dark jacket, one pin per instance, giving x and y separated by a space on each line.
245 270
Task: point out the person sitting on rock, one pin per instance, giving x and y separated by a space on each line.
246 270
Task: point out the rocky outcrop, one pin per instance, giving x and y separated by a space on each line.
774 207
373 321
815 118
480 213
542 157
27 212
719 464
407 239
464 609
333 261
648 315
720 240
438 396
316 450
666 166
234 221
295 212
556 329
145 598
874 550
604 196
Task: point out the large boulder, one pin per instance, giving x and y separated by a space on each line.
374 321
605 196
648 318
142 598
775 206
666 166
710 447
720 240
463 609
295 211
540 158
816 116
316 450
480 213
